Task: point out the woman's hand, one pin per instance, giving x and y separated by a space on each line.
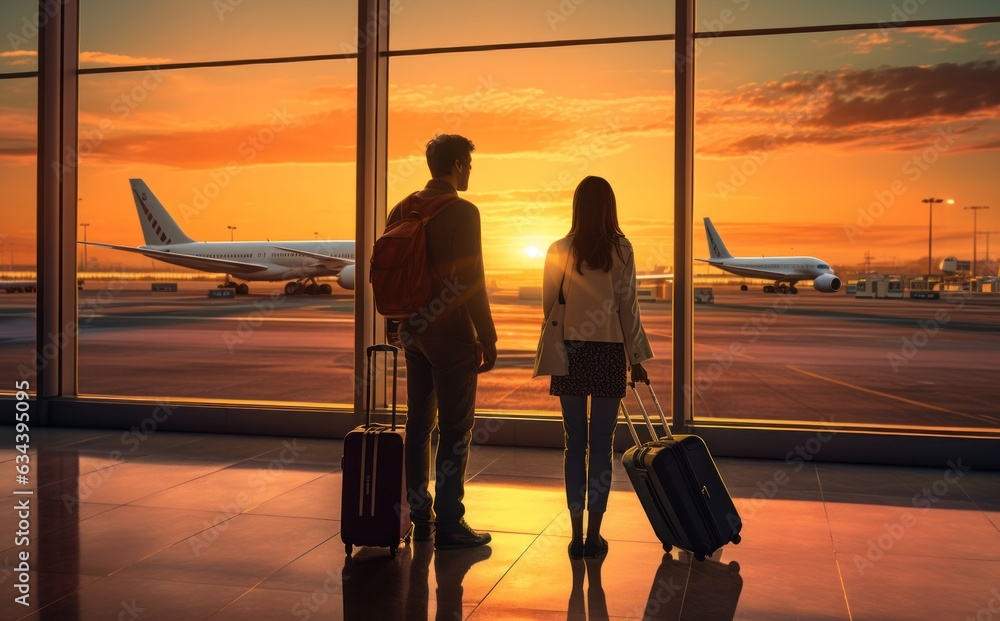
639 374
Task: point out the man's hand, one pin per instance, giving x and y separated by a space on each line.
639 374
488 355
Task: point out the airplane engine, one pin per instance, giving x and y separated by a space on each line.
346 279
827 283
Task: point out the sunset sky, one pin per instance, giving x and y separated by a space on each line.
797 135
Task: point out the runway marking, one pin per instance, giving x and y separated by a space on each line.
986 419
725 351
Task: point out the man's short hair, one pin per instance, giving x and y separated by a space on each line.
443 150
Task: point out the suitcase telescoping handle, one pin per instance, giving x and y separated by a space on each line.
645 414
368 384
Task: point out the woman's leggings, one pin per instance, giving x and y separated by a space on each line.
588 473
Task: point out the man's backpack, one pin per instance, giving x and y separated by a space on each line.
400 273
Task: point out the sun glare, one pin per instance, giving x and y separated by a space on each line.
534 252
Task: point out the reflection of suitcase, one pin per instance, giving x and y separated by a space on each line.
680 488
683 591
373 510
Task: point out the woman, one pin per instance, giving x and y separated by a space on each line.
594 267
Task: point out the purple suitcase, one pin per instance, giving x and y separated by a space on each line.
374 510
680 487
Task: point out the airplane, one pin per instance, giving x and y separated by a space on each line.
780 269
300 262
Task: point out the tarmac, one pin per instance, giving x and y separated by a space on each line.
808 357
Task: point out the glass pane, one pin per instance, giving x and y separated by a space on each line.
236 155
539 127
19 20
125 32
718 15
18 171
445 23
819 146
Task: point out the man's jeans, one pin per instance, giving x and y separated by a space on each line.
440 390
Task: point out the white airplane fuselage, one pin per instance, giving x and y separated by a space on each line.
280 264
776 268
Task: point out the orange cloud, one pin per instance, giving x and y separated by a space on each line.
525 122
945 34
324 137
867 42
105 58
884 107
16 58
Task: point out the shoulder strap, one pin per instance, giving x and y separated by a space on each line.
428 211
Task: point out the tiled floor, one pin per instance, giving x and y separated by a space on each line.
187 527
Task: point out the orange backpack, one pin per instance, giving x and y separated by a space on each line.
400 272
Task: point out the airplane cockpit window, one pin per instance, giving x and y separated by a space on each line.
823 266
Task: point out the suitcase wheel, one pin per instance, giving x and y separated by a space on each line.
667 547
737 539
394 550
349 549
699 557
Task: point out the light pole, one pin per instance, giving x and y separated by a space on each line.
987 234
84 225
930 224
232 229
975 211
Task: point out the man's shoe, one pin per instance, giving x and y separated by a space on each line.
423 531
459 535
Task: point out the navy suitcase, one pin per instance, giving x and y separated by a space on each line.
680 487
373 509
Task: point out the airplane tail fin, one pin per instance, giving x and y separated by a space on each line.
158 228
716 249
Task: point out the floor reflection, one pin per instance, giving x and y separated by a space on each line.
686 589
59 549
596 606
110 535
378 586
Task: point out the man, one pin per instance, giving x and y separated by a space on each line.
445 345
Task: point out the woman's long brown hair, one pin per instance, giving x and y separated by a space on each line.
595 227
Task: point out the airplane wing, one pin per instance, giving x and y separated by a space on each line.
746 271
750 272
190 260
325 260
653 277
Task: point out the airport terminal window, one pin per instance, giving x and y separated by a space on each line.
800 139
247 154
438 23
825 145
539 129
729 15
125 32
18 169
